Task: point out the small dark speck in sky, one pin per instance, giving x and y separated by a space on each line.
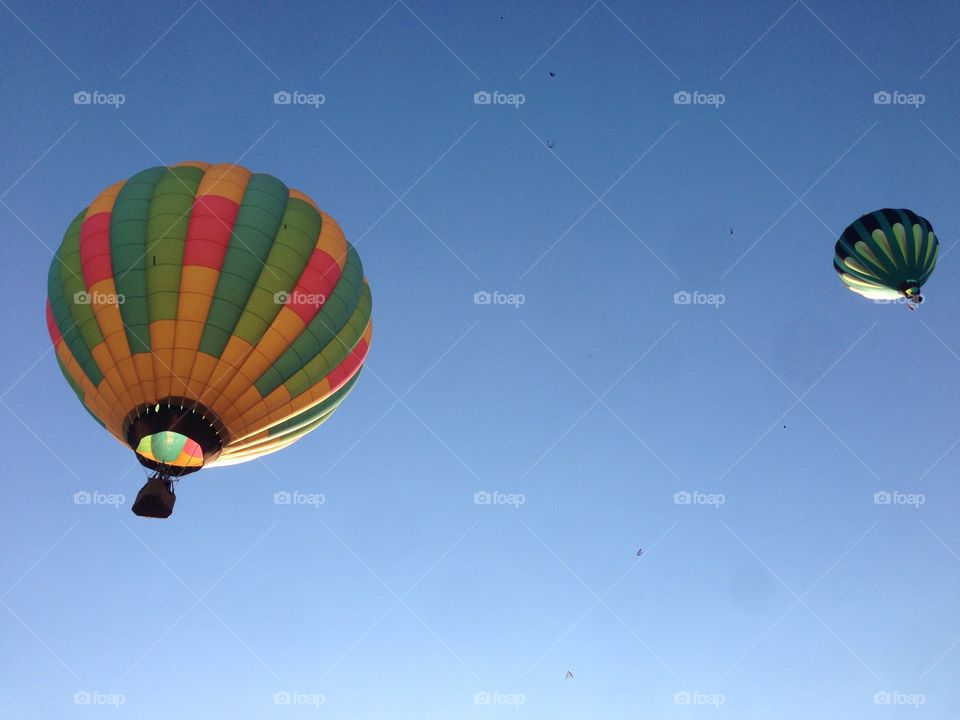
552 74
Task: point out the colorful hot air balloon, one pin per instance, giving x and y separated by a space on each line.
886 255
206 315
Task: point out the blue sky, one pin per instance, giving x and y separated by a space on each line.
781 590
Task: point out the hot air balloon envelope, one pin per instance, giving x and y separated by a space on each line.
886 255
207 315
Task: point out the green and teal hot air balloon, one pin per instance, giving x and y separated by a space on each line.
886 255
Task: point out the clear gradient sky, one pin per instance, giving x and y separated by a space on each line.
595 401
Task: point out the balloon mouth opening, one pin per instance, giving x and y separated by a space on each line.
174 436
171 449
913 296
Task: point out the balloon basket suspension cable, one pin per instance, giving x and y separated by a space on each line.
168 478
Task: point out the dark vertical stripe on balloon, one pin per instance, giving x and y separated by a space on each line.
128 254
170 205
291 251
258 220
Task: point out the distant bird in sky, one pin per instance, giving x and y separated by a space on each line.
552 74
731 231
639 552
568 676
550 143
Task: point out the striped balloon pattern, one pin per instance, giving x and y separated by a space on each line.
207 315
887 254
